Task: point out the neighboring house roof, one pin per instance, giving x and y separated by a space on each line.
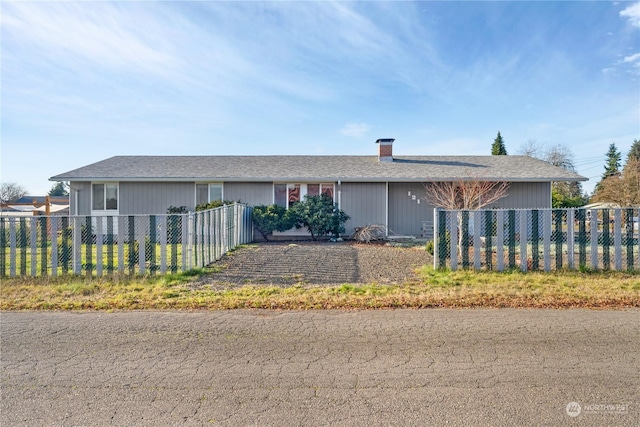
319 168
41 200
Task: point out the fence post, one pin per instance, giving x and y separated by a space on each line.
77 245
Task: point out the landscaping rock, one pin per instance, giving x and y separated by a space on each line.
317 263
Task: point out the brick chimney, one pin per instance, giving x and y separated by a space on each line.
385 149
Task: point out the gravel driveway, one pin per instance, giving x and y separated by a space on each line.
317 263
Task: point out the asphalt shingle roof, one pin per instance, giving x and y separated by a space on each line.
318 168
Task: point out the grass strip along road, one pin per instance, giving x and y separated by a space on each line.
432 288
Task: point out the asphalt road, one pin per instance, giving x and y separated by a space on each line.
395 367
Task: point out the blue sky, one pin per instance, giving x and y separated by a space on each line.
83 81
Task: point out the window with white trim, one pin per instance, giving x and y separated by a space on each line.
207 193
104 197
288 194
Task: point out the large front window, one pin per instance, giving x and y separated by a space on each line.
104 197
288 194
207 193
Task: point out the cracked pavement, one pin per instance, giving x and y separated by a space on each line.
289 368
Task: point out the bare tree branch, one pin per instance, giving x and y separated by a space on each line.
10 192
468 194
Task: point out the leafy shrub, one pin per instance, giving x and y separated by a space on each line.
268 219
320 215
429 247
214 204
177 210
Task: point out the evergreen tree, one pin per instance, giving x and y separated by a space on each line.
58 189
634 151
498 148
612 165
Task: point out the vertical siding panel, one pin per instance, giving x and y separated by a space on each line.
154 197
526 195
251 193
406 215
364 202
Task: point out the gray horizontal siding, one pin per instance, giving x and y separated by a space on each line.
155 197
364 202
251 193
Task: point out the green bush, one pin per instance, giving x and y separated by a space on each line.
320 215
429 247
268 219
214 204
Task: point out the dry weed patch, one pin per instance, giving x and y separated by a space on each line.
434 288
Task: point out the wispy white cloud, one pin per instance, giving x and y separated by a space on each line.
635 58
632 13
355 130
101 34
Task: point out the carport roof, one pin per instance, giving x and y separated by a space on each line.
319 168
